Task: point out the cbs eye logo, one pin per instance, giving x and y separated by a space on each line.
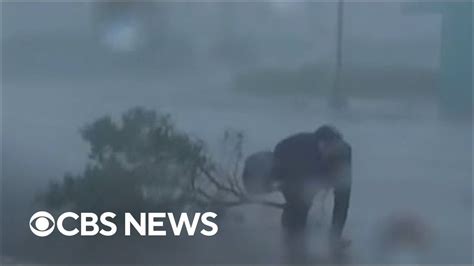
42 224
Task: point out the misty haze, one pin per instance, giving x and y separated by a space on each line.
229 79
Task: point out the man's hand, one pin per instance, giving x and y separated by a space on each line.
339 244
338 250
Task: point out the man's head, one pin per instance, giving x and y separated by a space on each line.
329 142
328 132
334 152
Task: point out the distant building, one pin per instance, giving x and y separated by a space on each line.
455 89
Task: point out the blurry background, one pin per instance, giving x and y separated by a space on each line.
266 68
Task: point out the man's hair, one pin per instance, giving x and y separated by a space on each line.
327 133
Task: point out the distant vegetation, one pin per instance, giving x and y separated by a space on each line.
317 80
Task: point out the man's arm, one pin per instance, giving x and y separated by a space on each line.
341 207
342 195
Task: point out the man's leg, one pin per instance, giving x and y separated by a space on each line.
294 216
294 219
299 198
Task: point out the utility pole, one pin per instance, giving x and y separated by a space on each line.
337 100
